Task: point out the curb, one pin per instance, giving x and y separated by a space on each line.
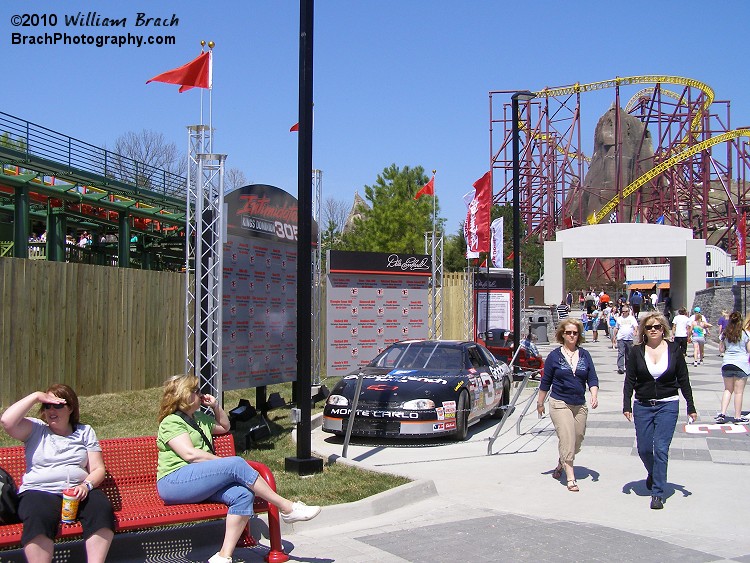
375 505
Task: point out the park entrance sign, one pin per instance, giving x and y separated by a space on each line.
259 339
373 300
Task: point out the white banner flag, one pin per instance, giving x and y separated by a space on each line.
496 242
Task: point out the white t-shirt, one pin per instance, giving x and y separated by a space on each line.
626 327
54 462
681 323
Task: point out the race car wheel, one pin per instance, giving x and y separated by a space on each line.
462 417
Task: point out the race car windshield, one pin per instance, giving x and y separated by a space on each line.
420 356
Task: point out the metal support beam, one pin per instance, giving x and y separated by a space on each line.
123 240
21 223
56 230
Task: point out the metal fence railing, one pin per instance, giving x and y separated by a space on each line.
32 140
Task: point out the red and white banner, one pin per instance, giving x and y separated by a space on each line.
741 238
468 198
496 242
476 227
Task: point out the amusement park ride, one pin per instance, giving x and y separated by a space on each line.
669 156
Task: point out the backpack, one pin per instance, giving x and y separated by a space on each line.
8 499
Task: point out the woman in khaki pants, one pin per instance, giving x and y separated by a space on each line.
568 370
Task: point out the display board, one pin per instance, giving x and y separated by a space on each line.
259 338
373 300
493 295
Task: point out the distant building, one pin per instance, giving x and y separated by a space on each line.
359 207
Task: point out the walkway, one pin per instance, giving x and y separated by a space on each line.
468 506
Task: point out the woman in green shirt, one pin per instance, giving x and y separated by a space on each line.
188 471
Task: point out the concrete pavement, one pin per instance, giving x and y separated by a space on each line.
465 505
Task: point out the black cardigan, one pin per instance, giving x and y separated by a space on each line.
638 378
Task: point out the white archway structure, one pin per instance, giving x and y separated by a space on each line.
687 256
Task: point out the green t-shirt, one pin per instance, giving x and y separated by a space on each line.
173 425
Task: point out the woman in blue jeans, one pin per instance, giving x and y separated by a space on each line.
656 371
188 471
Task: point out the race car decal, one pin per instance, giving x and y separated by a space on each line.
393 376
449 406
438 426
450 425
345 411
440 413
457 387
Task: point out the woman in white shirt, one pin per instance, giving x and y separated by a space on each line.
680 325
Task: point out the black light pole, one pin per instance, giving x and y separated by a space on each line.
304 463
515 147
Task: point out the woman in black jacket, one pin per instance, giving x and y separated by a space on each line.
656 371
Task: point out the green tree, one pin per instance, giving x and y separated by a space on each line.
395 222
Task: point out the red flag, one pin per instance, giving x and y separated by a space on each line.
195 74
741 238
477 225
427 189
294 127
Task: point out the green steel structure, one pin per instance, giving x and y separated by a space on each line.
64 183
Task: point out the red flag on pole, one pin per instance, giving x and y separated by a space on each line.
195 74
477 225
741 238
294 127
427 189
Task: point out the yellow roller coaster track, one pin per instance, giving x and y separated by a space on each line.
663 167
647 92
627 81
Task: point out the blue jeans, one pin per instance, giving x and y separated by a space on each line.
226 480
654 428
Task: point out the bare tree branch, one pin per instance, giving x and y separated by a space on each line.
233 179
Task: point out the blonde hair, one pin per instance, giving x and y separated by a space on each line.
647 318
176 397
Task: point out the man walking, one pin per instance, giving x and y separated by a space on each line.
624 333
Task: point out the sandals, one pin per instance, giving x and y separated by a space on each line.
557 473
573 488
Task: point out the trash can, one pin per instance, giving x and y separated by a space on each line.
538 327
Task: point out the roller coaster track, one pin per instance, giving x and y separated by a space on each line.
647 92
663 167
645 79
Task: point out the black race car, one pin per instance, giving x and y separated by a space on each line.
421 388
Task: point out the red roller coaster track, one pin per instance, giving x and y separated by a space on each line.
698 177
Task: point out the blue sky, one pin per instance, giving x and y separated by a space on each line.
396 81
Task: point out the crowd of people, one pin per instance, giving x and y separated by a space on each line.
652 348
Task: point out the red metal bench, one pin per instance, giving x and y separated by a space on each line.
131 486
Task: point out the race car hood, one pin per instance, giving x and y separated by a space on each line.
379 384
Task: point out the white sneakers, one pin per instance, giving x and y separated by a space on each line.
300 513
217 558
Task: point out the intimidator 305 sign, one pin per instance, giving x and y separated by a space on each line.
259 335
374 300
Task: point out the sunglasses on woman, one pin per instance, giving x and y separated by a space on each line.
57 406
571 333
653 327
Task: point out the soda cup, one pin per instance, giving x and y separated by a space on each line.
69 506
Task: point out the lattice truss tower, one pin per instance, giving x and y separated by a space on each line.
204 243
697 178
433 245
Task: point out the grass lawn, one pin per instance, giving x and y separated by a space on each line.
134 414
